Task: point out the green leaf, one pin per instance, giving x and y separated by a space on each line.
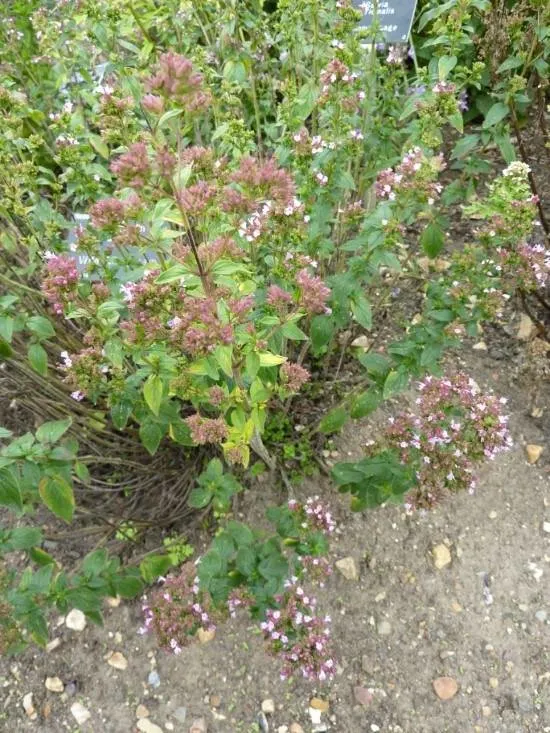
58 496
152 392
41 327
180 433
10 491
50 432
445 65
464 146
305 102
176 272
457 121
120 414
496 114
210 565
245 560
241 533
333 420
268 360
82 472
5 348
252 363
396 381
170 115
364 404
432 239
112 351
153 566
5 433
128 585
321 331
41 557
6 328
99 146
234 71
95 562
224 357
38 359
22 538
291 331
513 62
200 497
362 312
150 435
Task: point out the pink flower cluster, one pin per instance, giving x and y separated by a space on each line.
133 168
265 181
111 211
315 514
313 292
529 264
177 610
196 328
206 430
454 428
59 285
415 173
293 376
295 634
315 569
177 81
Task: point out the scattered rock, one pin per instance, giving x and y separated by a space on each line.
180 714
282 729
486 710
199 726
46 710
493 683
363 696
384 628
526 328
215 701
118 638
493 514
262 722
533 452
117 660
546 527
146 726
361 342
456 607
206 635
28 706
75 620
268 707
113 601
446 654
541 616
445 687
54 684
441 556
315 715
317 703
80 713
296 728
53 644
480 346
348 568
153 679
142 711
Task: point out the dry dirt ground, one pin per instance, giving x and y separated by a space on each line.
483 620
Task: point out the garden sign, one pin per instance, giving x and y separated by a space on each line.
395 16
